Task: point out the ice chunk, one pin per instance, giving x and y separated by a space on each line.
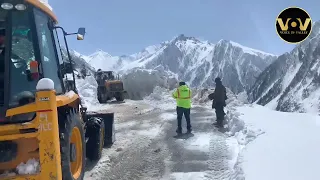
32 166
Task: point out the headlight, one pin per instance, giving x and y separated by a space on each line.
6 6
21 7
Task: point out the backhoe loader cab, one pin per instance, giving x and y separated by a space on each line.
42 118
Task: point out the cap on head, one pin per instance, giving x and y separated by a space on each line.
182 83
217 80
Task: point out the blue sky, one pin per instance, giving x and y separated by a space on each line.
123 27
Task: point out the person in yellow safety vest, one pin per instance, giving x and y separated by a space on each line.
183 97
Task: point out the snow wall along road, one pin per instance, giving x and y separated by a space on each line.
140 83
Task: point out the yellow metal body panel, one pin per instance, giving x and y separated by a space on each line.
27 149
49 142
30 177
21 109
61 100
44 8
44 143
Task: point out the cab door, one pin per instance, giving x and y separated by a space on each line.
48 52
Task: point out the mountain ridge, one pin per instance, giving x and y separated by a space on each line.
291 82
152 48
194 61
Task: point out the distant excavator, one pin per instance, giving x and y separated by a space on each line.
109 86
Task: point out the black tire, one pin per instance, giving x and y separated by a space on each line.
113 139
101 99
96 134
99 96
108 141
119 97
69 120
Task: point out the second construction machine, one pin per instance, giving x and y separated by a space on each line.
109 86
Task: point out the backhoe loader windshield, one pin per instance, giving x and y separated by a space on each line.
22 52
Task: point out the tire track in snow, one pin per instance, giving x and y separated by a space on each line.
204 156
149 154
218 158
144 157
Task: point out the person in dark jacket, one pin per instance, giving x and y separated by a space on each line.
219 97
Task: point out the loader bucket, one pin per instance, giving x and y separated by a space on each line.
108 119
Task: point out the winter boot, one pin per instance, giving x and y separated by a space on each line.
219 123
179 131
189 131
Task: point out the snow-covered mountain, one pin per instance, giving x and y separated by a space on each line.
78 60
291 82
194 61
103 60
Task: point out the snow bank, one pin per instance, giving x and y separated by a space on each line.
87 89
243 97
140 83
289 148
161 98
201 95
237 127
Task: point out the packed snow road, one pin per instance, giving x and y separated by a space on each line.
147 149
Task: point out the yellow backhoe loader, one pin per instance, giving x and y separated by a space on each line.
41 114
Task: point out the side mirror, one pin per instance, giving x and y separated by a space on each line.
81 33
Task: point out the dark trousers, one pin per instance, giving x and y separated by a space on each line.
186 112
219 113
